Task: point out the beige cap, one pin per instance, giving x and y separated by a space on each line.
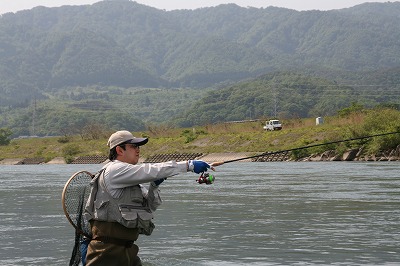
125 136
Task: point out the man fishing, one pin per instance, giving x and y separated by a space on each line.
119 208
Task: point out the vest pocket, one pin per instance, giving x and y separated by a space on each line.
145 225
136 195
137 217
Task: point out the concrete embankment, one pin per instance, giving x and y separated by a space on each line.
212 157
350 155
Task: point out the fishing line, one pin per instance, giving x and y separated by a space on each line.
304 147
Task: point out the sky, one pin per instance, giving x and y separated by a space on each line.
300 5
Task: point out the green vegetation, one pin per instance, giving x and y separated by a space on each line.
5 134
231 137
285 95
125 44
123 65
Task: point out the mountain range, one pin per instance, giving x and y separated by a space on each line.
48 52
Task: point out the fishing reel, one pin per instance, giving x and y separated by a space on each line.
206 178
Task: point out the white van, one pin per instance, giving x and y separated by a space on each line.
273 124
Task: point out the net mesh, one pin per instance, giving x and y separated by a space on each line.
75 194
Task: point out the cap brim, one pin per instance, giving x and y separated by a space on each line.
138 141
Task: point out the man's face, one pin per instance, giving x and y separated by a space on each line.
130 154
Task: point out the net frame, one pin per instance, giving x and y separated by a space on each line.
74 196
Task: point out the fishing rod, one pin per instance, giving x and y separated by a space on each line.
301 148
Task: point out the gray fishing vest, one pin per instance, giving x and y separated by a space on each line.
130 209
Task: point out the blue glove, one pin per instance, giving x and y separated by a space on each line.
159 181
198 166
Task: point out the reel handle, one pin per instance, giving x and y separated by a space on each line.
206 178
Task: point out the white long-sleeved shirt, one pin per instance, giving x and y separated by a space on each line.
119 175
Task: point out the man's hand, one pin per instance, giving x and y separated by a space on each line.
198 166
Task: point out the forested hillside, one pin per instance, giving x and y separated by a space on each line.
120 58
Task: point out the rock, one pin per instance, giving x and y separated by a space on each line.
350 155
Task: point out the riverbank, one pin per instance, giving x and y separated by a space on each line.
213 157
350 138
331 155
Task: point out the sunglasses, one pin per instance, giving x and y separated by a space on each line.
130 144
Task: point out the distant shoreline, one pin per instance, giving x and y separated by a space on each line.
351 155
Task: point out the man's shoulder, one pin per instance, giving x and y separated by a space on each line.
116 165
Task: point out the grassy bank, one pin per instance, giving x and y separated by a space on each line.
228 137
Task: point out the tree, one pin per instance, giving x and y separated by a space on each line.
5 134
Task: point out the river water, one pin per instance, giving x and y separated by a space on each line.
278 213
